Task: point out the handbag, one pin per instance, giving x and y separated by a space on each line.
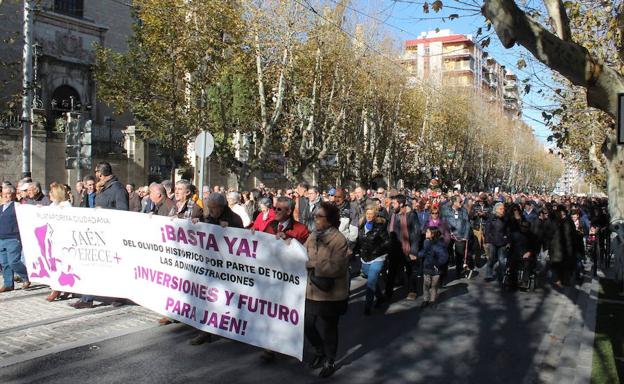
325 284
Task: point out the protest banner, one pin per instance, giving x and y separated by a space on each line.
226 281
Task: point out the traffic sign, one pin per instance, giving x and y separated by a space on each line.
204 144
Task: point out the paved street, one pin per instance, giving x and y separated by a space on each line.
478 334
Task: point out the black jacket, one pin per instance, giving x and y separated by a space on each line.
112 196
228 216
497 231
435 256
375 242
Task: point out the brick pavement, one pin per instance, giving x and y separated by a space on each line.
28 323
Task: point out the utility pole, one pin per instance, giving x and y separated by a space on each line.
27 87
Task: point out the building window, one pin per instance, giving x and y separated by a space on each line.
69 7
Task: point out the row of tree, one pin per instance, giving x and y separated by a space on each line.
280 79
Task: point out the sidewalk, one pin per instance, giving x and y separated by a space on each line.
31 327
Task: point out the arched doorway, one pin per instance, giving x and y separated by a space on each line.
64 99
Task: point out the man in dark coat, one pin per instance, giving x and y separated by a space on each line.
134 200
35 195
110 194
404 230
160 203
563 246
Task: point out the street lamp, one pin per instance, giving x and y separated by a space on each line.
109 123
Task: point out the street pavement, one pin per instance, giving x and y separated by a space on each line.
477 334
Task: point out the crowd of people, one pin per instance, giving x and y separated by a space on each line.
421 239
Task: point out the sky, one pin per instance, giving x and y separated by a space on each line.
405 19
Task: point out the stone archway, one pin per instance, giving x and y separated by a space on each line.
64 99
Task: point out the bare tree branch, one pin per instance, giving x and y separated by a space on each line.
559 19
571 60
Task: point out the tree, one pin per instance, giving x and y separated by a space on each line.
175 55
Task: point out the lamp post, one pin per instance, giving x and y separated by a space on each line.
109 123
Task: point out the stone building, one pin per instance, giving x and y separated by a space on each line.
65 35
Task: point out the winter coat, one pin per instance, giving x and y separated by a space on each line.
434 256
164 208
260 224
542 230
563 245
373 243
227 215
521 243
294 230
347 227
196 212
497 231
307 215
40 199
458 222
444 230
134 202
112 195
328 257
413 228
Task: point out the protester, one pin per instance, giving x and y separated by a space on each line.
10 242
110 194
185 207
497 242
374 244
218 213
134 200
88 197
58 197
327 292
266 215
404 230
35 195
234 202
435 257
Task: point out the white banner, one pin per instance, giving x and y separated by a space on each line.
226 281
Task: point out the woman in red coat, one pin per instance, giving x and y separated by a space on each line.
265 216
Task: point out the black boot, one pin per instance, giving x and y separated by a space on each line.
328 369
317 362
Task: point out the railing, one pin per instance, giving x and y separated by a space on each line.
10 121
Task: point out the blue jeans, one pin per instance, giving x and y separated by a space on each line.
372 272
11 260
496 254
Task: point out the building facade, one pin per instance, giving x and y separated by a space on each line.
443 58
65 35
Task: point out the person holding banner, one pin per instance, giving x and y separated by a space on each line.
10 243
327 293
217 212
185 207
110 194
284 227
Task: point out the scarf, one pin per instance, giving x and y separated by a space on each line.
405 243
99 186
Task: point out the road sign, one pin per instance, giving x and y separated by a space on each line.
204 144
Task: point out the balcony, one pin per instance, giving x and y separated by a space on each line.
457 52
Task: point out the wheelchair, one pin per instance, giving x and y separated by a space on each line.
521 281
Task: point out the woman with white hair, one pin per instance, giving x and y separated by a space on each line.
266 215
233 199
